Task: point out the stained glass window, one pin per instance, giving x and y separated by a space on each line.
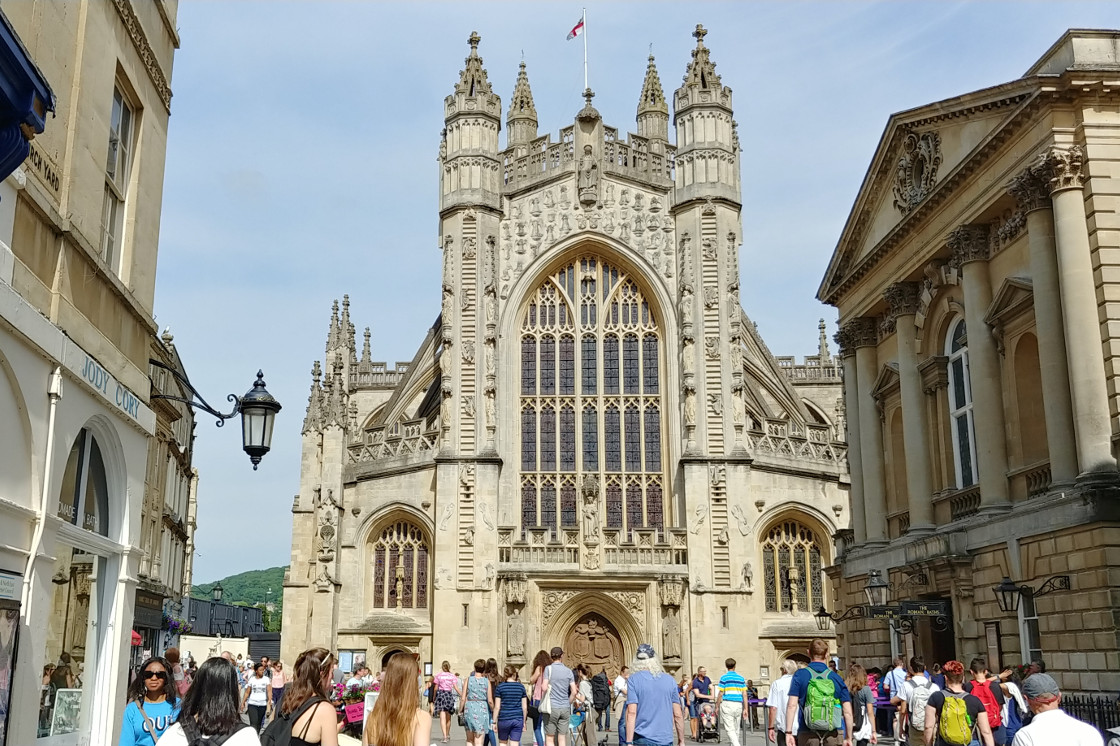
615 353
400 553
567 438
569 514
790 544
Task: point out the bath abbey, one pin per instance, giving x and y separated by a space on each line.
592 447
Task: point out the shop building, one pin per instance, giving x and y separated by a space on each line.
79 226
977 280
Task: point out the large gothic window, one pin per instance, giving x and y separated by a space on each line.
400 567
791 563
591 401
960 406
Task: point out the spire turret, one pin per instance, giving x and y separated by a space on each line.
522 117
468 152
653 112
707 143
313 420
334 331
366 356
822 343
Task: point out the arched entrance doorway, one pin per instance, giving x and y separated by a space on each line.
595 628
594 641
385 658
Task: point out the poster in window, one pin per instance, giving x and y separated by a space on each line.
9 642
995 646
67 711
345 661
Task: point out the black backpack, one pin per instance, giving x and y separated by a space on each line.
279 731
600 691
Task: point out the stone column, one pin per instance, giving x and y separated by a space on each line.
969 244
865 340
1089 395
902 297
1031 189
851 406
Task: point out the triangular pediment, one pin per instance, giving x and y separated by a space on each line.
1014 296
921 156
887 382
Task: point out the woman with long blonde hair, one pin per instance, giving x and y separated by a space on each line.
396 720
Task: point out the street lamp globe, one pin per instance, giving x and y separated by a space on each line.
216 592
824 620
1007 596
258 413
876 589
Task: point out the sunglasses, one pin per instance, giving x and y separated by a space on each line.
155 675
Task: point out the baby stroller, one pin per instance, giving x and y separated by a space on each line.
708 716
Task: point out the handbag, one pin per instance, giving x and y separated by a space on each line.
533 709
462 720
545 707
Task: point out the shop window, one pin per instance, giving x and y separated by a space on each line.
84 498
71 643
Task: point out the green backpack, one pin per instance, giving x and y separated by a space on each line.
822 703
955 726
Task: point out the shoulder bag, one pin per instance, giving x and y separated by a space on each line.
545 706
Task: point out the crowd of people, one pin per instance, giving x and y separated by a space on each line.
810 704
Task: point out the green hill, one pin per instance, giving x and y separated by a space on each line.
249 588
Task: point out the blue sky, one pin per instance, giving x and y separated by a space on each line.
301 166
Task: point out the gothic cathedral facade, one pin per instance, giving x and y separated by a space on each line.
592 447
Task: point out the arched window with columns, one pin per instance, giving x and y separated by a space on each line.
592 409
790 545
960 405
399 553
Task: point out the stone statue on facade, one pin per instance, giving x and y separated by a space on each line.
515 634
588 177
590 491
748 575
671 639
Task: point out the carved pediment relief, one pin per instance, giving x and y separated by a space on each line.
916 172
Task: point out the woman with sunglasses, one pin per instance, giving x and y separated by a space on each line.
153 705
211 711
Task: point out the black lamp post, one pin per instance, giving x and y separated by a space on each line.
1008 594
216 592
257 408
876 589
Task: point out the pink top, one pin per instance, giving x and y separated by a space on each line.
444 681
277 678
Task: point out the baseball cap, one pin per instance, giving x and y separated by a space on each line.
1041 686
557 651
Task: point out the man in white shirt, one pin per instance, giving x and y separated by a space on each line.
360 678
1051 725
620 692
777 700
892 684
911 700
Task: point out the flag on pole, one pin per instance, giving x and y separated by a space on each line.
576 30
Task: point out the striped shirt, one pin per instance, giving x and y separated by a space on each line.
732 686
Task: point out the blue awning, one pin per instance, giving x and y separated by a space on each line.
25 99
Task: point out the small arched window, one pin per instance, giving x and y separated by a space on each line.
400 567
791 564
960 406
84 497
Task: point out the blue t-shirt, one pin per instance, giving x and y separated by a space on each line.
701 685
799 687
655 697
511 693
134 728
732 686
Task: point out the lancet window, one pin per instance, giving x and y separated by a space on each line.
791 564
591 401
400 567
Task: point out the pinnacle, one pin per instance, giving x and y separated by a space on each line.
653 95
472 78
701 70
521 103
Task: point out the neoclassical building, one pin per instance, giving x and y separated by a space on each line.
592 446
977 283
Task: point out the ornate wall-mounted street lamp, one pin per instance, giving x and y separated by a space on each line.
257 408
216 592
876 589
904 613
1008 594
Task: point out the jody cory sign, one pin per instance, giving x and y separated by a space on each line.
103 381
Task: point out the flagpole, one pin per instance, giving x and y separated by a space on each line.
585 85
